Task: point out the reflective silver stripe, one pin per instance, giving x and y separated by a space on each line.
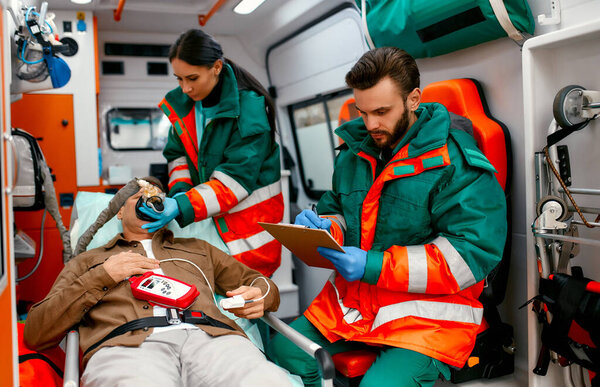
210 199
417 269
457 265
428 309
235 187
177 162
179 174
350 314
239 246
259 195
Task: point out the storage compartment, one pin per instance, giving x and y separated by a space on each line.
551 62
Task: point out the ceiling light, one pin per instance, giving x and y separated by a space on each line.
81 1
246 6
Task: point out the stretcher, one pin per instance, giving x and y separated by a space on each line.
86 209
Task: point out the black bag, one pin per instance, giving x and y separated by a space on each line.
28 193
569 301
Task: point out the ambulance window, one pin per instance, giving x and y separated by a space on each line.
313 123
137 129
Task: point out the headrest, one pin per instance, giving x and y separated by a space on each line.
348 111
465 98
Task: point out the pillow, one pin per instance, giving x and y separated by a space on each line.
87 207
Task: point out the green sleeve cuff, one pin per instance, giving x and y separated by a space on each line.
179 187
373 267
186 211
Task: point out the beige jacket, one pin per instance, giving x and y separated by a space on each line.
85 294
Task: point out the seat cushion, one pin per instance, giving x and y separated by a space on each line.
354 363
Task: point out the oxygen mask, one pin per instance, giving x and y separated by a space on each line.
152 197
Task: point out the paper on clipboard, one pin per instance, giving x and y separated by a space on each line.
303 242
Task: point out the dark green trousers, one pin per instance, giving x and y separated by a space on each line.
393 366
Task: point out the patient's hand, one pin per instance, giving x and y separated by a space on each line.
255 309
126 264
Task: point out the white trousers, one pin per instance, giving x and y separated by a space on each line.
184 358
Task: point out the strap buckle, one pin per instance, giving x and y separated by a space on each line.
173 317
194 317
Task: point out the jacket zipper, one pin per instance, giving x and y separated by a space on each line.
201 151
203 172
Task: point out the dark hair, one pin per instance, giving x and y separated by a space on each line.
198 48
378 63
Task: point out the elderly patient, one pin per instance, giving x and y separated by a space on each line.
92 291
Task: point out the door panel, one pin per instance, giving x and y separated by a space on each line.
8 330
49 118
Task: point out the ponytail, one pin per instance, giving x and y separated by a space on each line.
247 81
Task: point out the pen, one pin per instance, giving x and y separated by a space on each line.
314 209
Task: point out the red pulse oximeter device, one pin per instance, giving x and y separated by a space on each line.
164 291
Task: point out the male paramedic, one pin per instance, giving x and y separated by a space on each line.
422 221
203 349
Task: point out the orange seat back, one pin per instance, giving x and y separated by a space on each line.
348 111
463 97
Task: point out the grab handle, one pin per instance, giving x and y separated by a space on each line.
10 139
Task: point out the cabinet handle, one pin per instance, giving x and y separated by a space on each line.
10 139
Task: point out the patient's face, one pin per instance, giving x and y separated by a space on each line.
131 223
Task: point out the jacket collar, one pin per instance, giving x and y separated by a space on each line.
164 235
430 131
228 106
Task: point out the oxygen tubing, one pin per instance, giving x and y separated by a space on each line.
111 210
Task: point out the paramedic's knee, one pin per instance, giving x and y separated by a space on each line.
399 367
289 356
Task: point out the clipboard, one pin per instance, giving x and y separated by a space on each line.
303 242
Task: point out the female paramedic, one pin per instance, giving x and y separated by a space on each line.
222 155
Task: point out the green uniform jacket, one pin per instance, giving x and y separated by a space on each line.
232 176
414 210
439 228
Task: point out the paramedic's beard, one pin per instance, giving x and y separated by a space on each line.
392 138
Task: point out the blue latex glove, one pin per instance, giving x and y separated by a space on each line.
311 220
351 264
169 213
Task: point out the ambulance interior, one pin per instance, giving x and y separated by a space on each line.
101 126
